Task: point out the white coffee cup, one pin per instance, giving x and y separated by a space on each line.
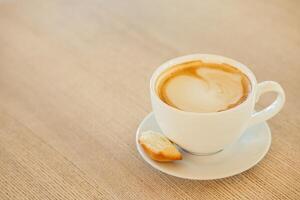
207 133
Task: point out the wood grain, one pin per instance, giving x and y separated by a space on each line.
74 87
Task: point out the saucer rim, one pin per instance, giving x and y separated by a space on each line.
148 160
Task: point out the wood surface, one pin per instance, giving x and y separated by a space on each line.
74 81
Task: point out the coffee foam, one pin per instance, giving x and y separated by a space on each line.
203 87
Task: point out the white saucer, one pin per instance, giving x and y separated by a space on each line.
235 159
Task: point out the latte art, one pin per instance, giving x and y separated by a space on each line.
203 87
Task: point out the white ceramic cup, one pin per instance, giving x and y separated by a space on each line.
207 133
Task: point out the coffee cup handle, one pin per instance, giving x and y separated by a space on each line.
274 108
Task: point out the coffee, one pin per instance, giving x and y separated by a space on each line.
197 86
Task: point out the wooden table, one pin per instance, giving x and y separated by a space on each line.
74 86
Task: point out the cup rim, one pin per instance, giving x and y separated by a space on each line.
208 58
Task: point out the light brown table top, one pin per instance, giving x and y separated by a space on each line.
74 86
